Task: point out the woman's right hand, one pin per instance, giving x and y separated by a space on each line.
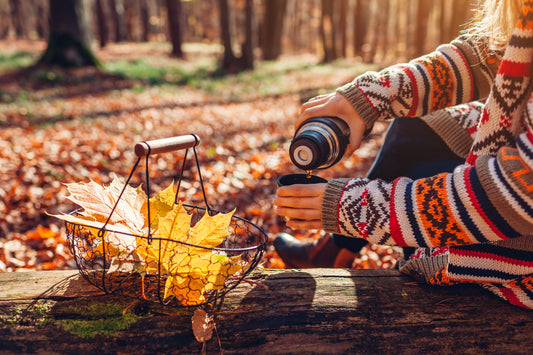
335 105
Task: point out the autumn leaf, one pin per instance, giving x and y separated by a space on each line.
118 237
98 202
177 251
173 228
210 231
198 273
192 269
202 325
162 203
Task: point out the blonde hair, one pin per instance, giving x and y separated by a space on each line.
497 21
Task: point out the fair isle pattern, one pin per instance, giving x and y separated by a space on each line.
455 73
370 208
433 82
467 115
509 185
502 118
478 263
482 213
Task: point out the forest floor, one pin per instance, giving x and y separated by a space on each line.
59 127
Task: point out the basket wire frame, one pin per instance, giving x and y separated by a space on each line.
243 247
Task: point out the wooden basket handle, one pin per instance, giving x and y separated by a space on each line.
165 145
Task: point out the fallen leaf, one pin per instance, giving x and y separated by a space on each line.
202 325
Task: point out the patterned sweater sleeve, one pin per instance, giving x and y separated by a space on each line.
454 73
443 210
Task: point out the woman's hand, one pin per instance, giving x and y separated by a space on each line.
336 105
301 205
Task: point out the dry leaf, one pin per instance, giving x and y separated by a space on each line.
98 201
202 325
178 251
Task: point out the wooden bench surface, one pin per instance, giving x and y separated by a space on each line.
302 311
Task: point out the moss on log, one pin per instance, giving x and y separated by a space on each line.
280 311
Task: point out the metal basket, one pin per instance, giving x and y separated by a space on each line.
223 266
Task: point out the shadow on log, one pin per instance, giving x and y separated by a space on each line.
279 311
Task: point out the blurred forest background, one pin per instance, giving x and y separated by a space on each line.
81 81
375 30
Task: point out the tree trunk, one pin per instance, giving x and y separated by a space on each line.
4 22
130 16
374 24
117 12
42 14
16 17
361 21
145 20
174 27
228 59
312 311
272 29
327 31
443 21
421 27
341 28
102 23
70 39
247 58
460 15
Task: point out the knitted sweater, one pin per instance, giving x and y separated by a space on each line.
472 225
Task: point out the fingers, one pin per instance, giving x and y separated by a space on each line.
299 214
301 205
307 225
302 190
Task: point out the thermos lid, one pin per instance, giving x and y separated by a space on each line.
305 151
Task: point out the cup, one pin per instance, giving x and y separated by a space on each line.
293 179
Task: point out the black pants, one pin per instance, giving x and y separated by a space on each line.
410 149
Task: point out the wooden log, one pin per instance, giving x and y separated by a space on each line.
302 311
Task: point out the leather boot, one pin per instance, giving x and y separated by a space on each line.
322 253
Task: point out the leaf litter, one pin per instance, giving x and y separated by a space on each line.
87 133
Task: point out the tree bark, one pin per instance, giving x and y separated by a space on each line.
174 27
117 12
277 311
42 12
230 62
70 39
460 15
272 28
228 59
328 31
341 27
421 28
145 20
361 21
16 18
103 33
247 58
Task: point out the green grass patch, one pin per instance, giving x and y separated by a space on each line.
171 73
18 60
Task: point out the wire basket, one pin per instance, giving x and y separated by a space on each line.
177 273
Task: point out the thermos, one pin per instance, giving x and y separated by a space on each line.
319 143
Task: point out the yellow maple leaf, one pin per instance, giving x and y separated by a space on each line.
172 229
198 273
210 231
184 255
161 204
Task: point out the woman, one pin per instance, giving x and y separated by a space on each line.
472 225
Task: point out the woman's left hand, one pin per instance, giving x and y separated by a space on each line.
301 205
